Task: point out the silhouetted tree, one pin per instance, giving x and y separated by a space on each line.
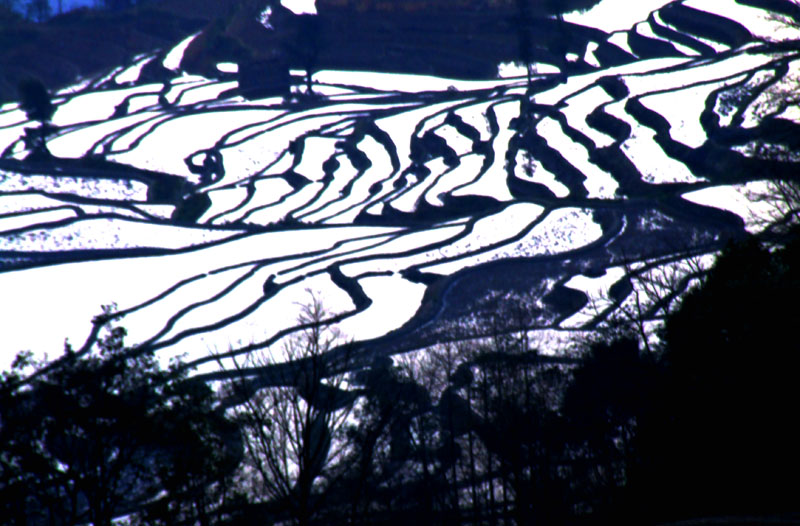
293 429
732 356
613 392
92 436
782 213
519 398
392 470
204 449
35 102
462 434
526 11
702 426
306 45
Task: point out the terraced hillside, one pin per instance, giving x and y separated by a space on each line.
421 209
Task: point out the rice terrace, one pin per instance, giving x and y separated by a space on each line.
386 181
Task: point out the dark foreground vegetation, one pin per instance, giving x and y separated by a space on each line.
697 424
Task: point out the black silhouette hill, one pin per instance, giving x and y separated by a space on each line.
463 39
83 42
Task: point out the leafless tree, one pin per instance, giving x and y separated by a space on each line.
654 289
293 431
782 210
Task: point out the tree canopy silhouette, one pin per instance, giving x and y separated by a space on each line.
731 355
89 437
35 102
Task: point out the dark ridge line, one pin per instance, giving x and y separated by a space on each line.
467 228
242 314
223 144
21 213
256 262
424 200
201 246
149 126
106 143
122 109
674 36
351 286
281 223
80 212
406 253
646 47
611 55
464 129
359 160
252 308
706 25
186 87
122 313
88 254
171 113
250 191
366 203
81 217
604 238
416 169
48 259
314 203
331 355
250 185
368 128
13 124
187 309
328 256
552 160
572 133
486 147
78 200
